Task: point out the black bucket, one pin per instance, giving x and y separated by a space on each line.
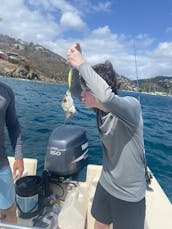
28 192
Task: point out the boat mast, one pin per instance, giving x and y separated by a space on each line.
136 69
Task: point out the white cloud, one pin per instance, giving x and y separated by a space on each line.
102 44
88 6
18 21
102 31
164 50
103 6
69 16
46 22
70 20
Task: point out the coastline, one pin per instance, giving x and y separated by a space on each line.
38 81
149 93
65 83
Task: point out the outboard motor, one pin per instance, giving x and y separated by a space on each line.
67 151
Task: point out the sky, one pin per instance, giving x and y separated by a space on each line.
135 35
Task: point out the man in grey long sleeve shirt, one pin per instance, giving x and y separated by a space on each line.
120 193
9 119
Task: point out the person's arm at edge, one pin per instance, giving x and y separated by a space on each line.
14 132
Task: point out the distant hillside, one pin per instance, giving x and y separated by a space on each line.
30 61
23 60
126 84
158 84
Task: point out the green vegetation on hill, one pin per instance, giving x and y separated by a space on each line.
34 62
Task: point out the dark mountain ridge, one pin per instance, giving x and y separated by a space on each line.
158 84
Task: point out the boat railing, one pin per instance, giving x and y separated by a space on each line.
16 226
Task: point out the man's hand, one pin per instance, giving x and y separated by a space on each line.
74 56
18 168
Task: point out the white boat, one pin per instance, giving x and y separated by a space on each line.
75 212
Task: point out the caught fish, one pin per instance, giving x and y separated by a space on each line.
68 104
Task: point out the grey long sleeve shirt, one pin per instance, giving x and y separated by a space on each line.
9 119
121 133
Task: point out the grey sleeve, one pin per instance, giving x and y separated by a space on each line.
13 127
127 109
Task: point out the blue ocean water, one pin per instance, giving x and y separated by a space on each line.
39 111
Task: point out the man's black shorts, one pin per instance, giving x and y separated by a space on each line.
123 214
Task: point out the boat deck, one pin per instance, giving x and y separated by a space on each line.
75 212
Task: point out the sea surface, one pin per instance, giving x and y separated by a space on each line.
39 111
